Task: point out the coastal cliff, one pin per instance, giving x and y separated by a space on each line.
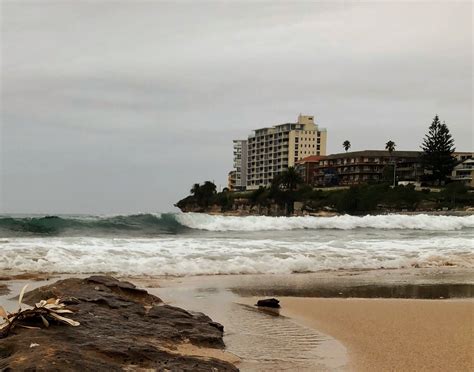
244 207
374 199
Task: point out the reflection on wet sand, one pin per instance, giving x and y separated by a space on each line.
262 339
313 333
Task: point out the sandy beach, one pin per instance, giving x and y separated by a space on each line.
313 331
356 334
394 334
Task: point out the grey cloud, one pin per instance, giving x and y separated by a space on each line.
112 107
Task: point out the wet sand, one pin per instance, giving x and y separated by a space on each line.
367 334
261 340
394 334
331 334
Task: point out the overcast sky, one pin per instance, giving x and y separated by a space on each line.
119 107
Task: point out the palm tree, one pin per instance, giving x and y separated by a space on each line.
390 147
346 145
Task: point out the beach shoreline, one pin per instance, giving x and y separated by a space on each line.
366 334
315 330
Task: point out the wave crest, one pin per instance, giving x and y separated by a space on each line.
171 223
346 222
137 224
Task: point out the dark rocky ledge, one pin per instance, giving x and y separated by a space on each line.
122 328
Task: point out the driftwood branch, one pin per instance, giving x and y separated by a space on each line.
51 309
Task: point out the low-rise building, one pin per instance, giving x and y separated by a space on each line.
308 168
231 181
464 172
369 166
463 155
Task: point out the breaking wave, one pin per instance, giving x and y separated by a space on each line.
346 222
128 225
171 223
194 244
197 256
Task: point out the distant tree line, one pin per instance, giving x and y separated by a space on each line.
358 199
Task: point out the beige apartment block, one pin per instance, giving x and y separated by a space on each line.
273 149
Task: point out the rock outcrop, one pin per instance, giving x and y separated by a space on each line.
122 328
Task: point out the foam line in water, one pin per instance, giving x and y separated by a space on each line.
195 256
346 222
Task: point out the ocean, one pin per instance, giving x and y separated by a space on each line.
185 244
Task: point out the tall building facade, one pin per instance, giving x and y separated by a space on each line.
240 164
273 149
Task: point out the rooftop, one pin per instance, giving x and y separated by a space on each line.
385 153
311 159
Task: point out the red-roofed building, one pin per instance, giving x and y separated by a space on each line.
308 168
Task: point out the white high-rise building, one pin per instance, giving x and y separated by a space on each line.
272 150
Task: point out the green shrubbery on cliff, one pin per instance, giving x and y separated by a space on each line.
354 200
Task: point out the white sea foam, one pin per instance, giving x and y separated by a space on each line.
346 222
224 255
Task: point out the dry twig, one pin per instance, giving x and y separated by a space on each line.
51 309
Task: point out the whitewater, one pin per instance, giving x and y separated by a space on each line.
196 244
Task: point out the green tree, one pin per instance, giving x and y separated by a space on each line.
290 179
438 148
195 189
208 189
283 188
203 194
257 196
225 199
452 191
346 145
